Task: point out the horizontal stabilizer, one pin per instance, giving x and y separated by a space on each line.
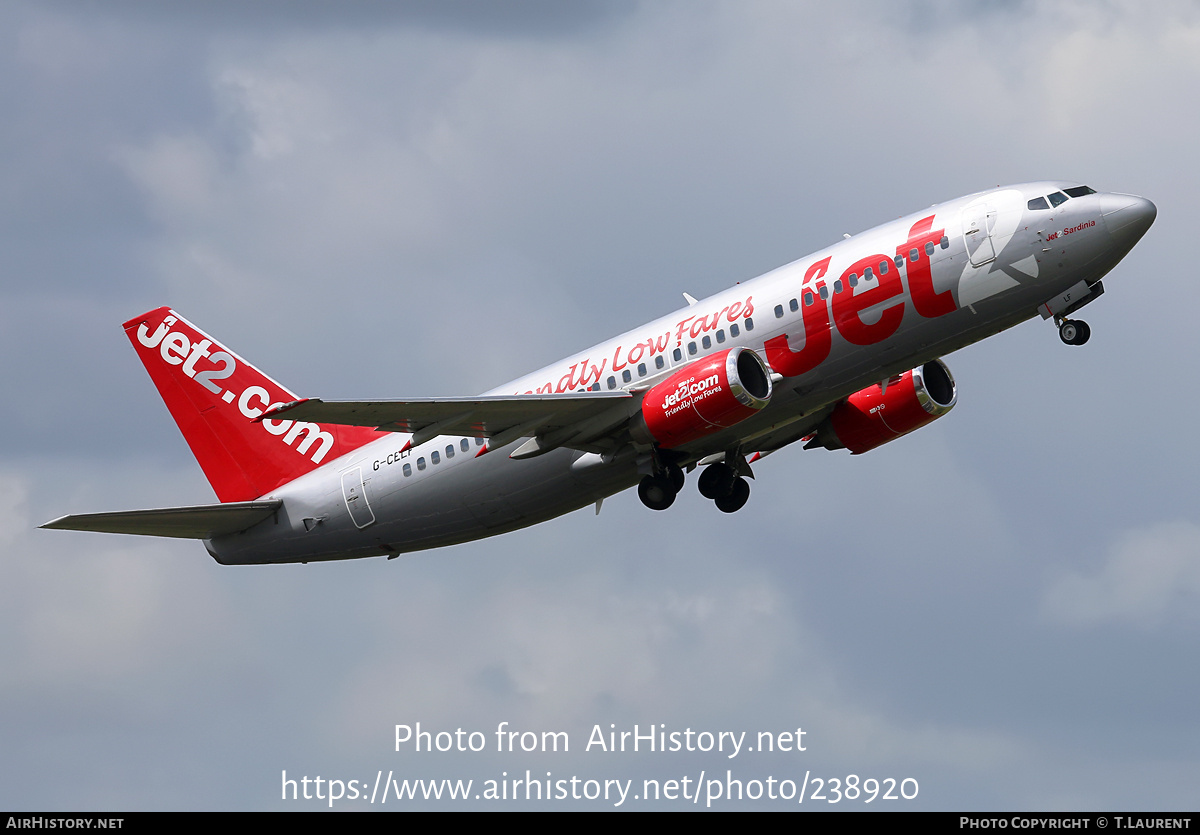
199 522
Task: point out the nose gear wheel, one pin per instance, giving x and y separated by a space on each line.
1074 331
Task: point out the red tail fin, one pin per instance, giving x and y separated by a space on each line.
214 396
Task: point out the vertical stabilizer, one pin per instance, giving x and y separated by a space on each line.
215 395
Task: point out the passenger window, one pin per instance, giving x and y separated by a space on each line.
867 275
626 376
883 267
720 336
1057 199
692 348
929 248
480 441
794 305
913 255
945 243
808 298
435 457
706 342
594 386
407 470
749 323
641 369
612 383
449 451
899 261
677 354
1038 203
823 291
733 330
659 362
837 286
421 463
465 445
778 311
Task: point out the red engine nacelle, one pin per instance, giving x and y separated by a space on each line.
703 397
873 416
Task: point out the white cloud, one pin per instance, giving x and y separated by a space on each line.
1151 576
14 508
180 176
89 611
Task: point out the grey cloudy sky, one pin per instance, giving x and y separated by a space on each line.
404 199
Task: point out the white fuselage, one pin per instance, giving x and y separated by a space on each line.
825 325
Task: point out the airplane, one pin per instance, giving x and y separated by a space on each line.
841 350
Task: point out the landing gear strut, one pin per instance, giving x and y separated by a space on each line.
1074 331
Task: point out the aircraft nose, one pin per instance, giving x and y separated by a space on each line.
1127 217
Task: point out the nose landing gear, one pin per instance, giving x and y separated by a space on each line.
1074 331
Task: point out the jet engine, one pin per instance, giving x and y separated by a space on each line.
879 413
703 397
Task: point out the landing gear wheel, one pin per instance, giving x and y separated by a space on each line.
716 481
739 494
1074 332
656 492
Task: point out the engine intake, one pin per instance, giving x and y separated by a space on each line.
873 416
705 396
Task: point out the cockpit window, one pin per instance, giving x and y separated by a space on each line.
1057 198
1079 191
1039 203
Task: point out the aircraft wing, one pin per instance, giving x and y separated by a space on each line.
197 522
573 420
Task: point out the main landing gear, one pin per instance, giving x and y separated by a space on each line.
1074 331
658 491
719 482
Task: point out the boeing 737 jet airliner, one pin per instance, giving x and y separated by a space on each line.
840 350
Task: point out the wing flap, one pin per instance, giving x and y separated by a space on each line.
196 522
